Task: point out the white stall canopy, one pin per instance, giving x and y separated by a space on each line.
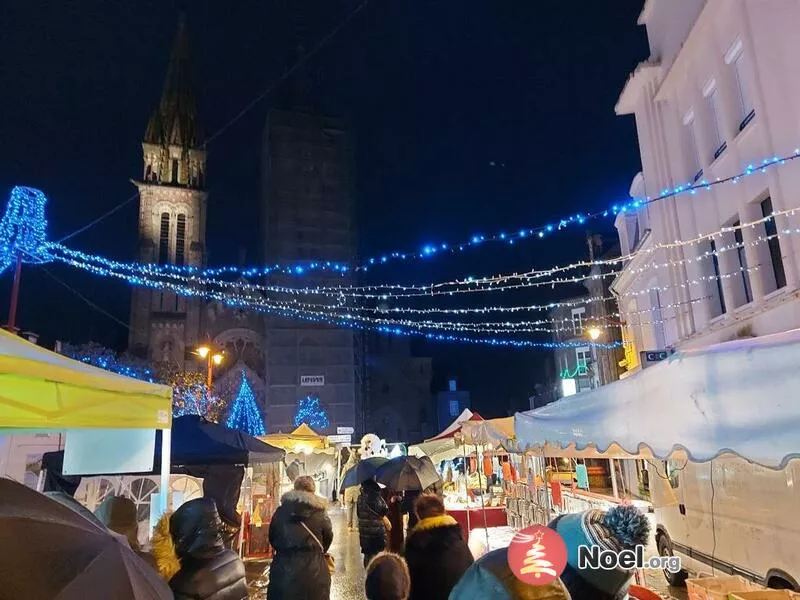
739 396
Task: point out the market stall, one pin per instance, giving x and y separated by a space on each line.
107 417
307 453
719 423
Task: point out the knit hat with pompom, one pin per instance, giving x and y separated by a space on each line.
620 528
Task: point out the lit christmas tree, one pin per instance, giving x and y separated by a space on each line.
310 412
190 396
100 356
244 414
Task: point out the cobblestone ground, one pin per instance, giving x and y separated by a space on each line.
348 581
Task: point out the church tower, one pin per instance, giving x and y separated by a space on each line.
172 213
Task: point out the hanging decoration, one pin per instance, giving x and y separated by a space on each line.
244 413
23 228
311 412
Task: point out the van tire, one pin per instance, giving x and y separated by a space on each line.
665 549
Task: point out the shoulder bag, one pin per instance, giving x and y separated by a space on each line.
329 560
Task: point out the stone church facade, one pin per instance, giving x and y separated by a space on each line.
166 328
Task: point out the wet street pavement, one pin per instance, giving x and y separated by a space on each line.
348 581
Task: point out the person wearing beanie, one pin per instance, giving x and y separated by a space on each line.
491 577
621 528
436 552
387 578
119 515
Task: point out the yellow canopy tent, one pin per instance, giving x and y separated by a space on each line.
41 390
301 440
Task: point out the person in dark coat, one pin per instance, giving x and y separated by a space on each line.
409 501
209 571
371 509
299 569
436 552
395 537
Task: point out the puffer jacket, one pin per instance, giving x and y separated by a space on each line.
437 557
209 571
299 570
371 509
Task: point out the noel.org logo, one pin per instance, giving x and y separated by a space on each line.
537 555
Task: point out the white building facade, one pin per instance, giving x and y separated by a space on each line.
719 93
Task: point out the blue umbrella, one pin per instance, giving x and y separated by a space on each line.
362 471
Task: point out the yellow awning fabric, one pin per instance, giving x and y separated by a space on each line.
301 439
40 389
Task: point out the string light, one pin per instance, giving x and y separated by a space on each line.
468 285
244 413
311 412
23 228
428 251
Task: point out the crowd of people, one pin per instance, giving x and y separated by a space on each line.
432 561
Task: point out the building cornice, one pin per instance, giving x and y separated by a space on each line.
170 190
682 61
645 72
626 276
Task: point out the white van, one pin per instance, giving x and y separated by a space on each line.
728 516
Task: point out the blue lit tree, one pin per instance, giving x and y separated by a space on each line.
244 414
311 412
105 358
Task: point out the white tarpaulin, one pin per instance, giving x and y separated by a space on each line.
740 396
497 432
443 446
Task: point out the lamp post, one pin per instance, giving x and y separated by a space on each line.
213 358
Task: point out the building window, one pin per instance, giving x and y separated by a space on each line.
578 318
744 98
163 240
453 408
583 356
694 152
175 170
180 241
774 244
720 296
742 260
148 173
718 140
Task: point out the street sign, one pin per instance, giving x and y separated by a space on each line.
340 439
650 357
312 380
345 430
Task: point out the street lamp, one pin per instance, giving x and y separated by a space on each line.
594 333
212 358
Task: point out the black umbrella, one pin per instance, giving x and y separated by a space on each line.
48 550
362 471
407 473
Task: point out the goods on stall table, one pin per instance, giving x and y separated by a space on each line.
717 588
765 595
637 592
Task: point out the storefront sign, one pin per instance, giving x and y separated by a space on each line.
312 380
345 430
650 357
340 439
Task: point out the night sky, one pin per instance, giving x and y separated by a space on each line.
469 116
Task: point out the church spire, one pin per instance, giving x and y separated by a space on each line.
175 121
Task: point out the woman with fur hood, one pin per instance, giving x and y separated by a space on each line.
300 534
436 553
